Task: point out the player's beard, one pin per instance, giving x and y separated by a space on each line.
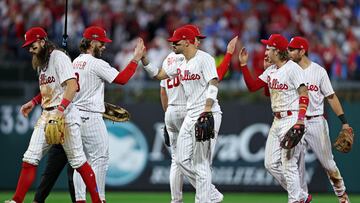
97 52
296 59
40 59
177 50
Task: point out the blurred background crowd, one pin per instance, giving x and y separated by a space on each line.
332 27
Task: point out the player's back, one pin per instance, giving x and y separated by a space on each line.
91 74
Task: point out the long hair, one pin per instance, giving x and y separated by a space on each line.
283 55
40 61
84 45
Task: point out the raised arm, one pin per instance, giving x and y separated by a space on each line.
124 76
251 83
225 63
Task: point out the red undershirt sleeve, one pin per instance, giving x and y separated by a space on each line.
124 76
251 83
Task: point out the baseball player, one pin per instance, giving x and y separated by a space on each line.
317 130
198 76
173 101
289 100
58 86
91 73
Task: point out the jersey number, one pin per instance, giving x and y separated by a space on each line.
173 82
77 81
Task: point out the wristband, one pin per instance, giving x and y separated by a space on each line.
63 105
342 119
303 104
152 71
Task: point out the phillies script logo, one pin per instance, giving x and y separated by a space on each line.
312 87
187 75
43 80
274 84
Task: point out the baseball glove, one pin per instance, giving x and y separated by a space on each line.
204 127
166 137
54 130
293 136
344 141
115 113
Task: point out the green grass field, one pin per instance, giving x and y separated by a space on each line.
162 197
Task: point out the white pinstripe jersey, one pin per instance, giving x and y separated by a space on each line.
319 87
195 75
283 83
58 71
92 73
174 89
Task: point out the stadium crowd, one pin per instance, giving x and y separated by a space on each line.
332 27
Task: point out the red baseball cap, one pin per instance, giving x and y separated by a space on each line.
195 29
276 40
34 34
96 33
182 34
299 43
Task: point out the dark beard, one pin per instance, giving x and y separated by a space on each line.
40 60
97 52
296 60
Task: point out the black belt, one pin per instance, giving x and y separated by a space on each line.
50 108
310 117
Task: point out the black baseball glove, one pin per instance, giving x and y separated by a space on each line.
204 127
166 137
293 136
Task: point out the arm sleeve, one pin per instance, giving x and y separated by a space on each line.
266 91
251 83
37 99
124 76
224 66
105 71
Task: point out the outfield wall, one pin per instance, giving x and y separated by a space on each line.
139 160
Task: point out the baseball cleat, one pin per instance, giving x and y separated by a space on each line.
308 199
220 198
9 201
344 198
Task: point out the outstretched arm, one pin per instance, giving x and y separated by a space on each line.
124 76
251 83
153 72
225 63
